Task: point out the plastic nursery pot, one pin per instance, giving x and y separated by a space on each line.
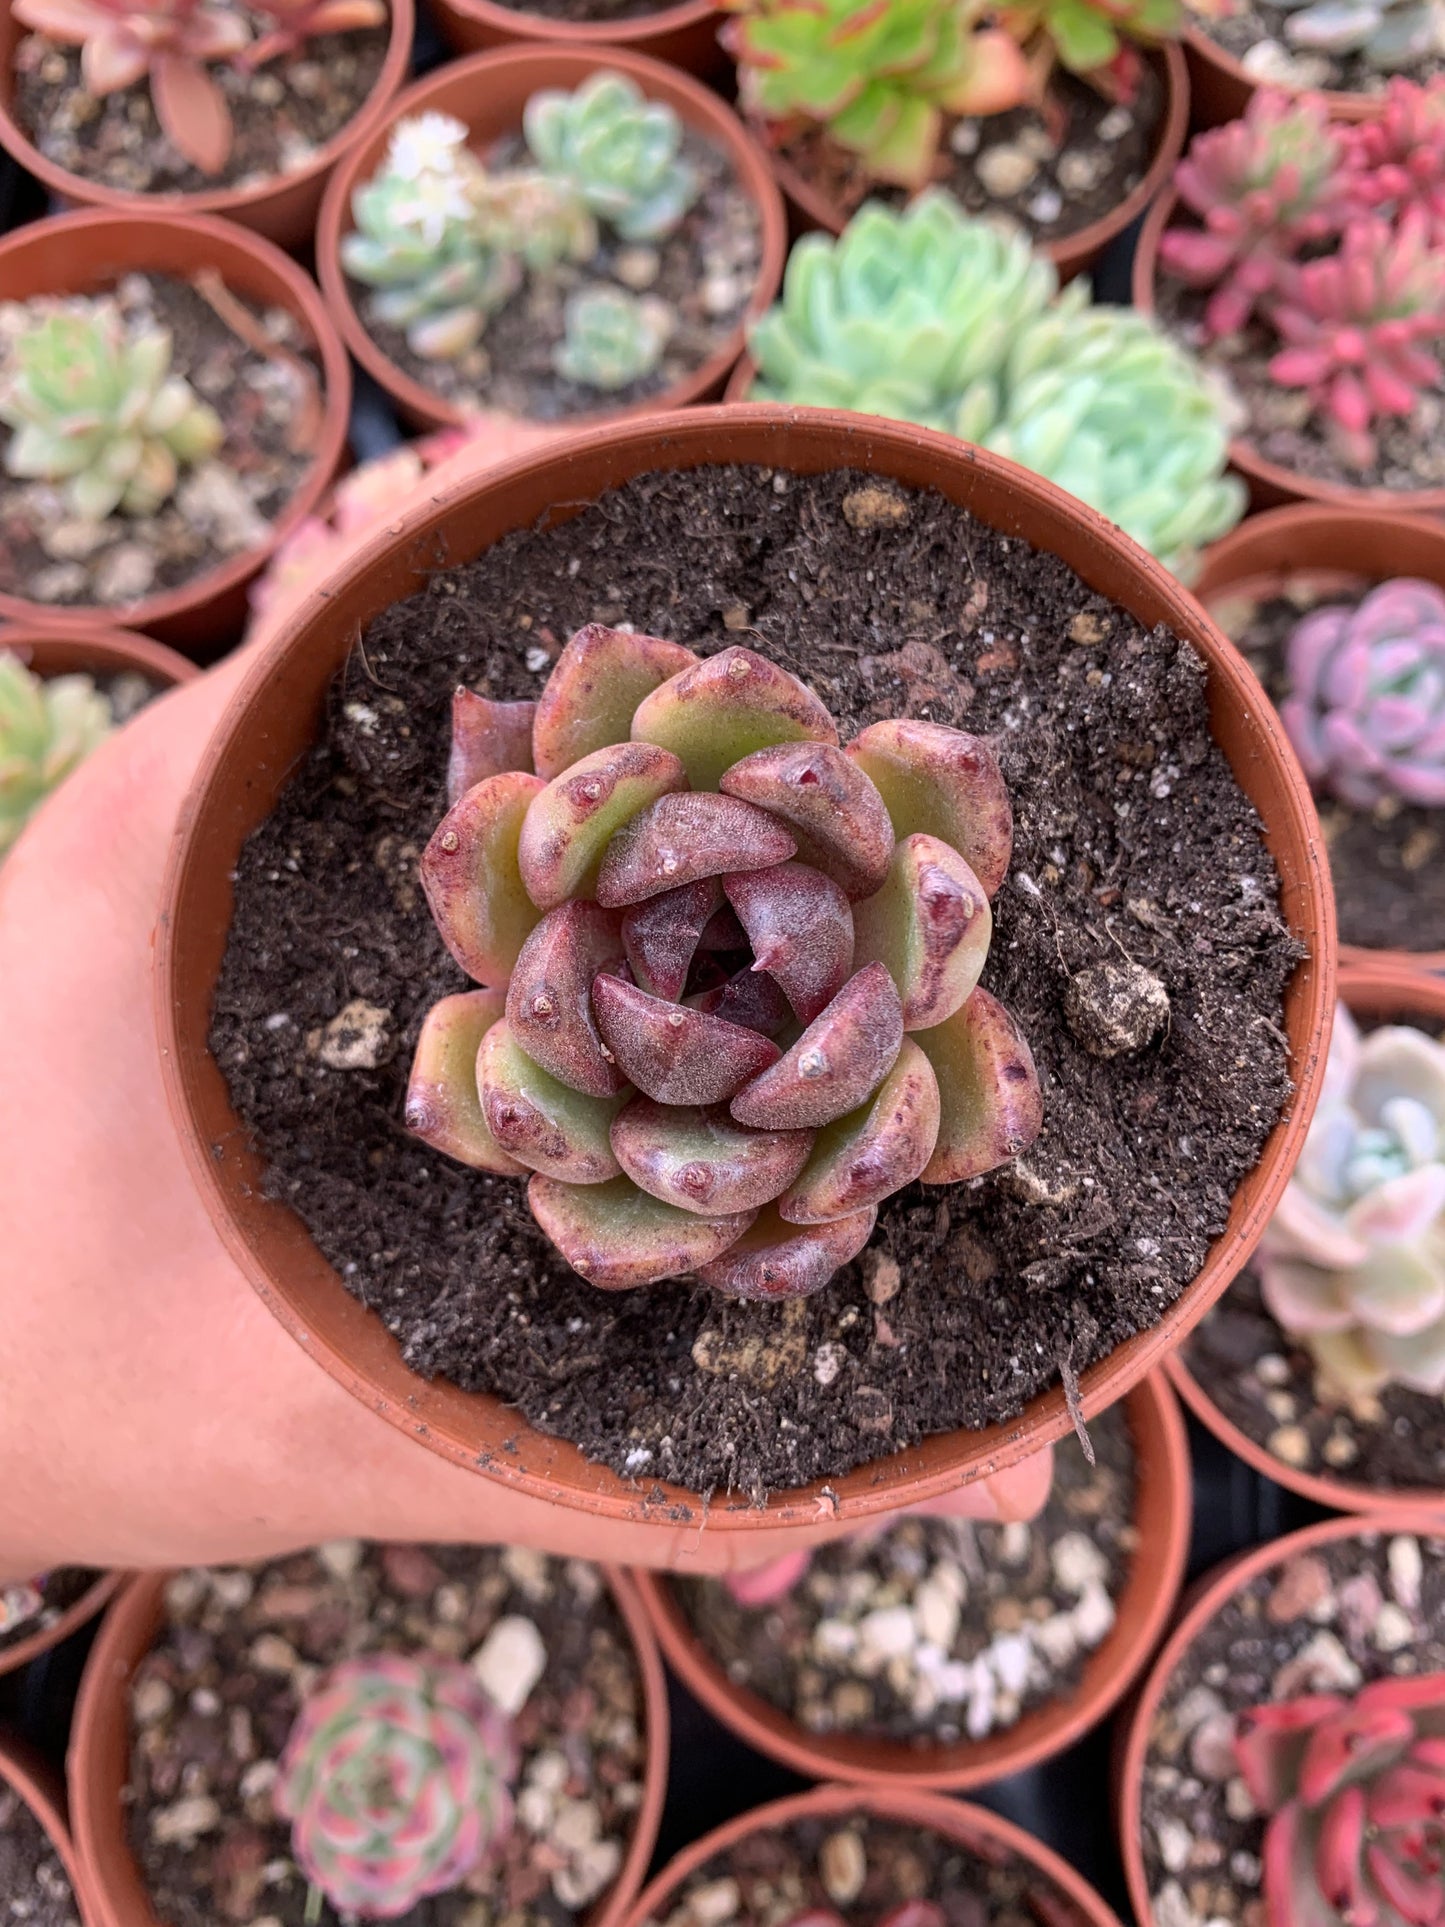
1220 87
272 722
1206 1599
1162 1519
93 1600
984 1833
39 1786
1379 990
282 208
1073 253
97 1765
488 93
1259 558
684 35
1269 483
86 253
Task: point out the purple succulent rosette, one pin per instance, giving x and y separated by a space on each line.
1366 712
397 1782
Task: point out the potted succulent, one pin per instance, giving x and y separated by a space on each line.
38 1873
1302 259
552 234
868 1853
848 978
931 1651
231 107
173 399
510 1706
943 319
1049 114
1283 1755
1323 1365
1262 584
684 33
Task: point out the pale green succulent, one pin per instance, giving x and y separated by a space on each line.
100 410
934 317
613 338
47 729
528 214
618 150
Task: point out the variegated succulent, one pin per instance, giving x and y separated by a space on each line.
730 969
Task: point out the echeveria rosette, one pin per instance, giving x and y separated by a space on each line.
1353 1262
1354 1794
616 150
730 969
397 1782
1366 709
47 729
1398 154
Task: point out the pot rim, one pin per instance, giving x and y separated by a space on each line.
553 61
59 652
1154 1576
96 1597
1211 1592
1342 103
294 291
41 1790
538 28
127 1635
795 440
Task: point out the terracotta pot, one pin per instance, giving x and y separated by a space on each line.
489 92
93 1600
1162 1515
1206 1599
94 652
273 721
684 35
1380 990
985 1833
1073 253
1220 89
1259 558
1269 483
282 208
98 1761
39 1786
86 253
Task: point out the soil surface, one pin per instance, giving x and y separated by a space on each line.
1017 163
283 114
1282 424
865 1867
35 1889
26 1610
1327 1621
706 271
271 407
1388 863
1253 31
1131 839
213 1703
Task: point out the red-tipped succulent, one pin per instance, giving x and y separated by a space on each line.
730 968
291 23
1398 155
1354 1791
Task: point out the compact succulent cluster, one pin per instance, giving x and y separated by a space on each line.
47 729
731 969
1353 1261
1354 1791
445 241
1328 237
397 1780
882 80
1366 709
933 317
174 43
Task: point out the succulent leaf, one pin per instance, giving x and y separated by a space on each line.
471 873
488 739
752 998
593 692
990 1101
681 838
774 1259
612 339
672 1052
619 151
800 927
865 1157
700 1160
728 706
47 729
930 925
443 1104
549 1002
617 1237
832 808
662 933
571 821
839 1060
944 783
539 1121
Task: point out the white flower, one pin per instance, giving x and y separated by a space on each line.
425 144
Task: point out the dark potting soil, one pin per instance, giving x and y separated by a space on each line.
1326 1621
706 271
1283 425
35 1889
1388 863
21 1618
936 1630
865 1866
271 406
1054 181
213 1702
1250 24
283 114
585 10
1131 838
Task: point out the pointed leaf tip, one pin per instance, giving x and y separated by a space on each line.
700 1160
488 739
832 808
840 1059
944 783
683 838
549 1000
471 874
443 1105
540 1121
672 1052
594 689
800 926
618 1237
572 820
867 1156
777 1260
991 1105
727 707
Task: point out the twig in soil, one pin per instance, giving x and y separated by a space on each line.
1070 1380
306 420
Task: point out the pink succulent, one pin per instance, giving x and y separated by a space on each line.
1398 155
294 22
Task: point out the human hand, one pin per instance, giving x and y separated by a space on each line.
152 1412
